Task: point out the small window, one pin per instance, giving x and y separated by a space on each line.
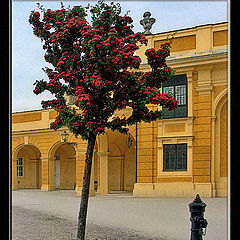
20 167
175 157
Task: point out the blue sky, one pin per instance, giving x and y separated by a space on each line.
27 53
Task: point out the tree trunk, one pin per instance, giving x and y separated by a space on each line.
85 188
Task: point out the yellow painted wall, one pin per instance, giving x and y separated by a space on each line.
129 169
179 43
115 168
207 77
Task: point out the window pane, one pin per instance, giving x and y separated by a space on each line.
169 90
20 167
181 156
20 171
180 94
169 157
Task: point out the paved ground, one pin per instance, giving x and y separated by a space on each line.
53 215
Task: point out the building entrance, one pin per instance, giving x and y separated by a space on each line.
57 172
63 167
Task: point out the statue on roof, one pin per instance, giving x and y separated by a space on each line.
147 22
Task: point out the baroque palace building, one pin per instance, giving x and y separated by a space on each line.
183 154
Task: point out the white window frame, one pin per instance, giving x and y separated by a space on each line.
181 94
175 140
20 165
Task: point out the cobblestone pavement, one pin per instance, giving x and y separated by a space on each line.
53 215
28 224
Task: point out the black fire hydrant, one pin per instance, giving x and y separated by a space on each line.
197 208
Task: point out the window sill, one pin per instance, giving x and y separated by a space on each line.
184 170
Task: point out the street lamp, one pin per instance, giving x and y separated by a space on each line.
65 136
129 142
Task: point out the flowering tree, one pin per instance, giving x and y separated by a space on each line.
94 62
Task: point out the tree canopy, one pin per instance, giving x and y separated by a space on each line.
96 62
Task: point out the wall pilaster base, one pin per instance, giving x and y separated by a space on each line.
166 189
45 188
102 191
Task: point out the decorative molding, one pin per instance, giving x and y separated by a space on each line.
204 89
213 118
25 139
174 136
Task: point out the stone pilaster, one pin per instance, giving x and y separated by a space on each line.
103 185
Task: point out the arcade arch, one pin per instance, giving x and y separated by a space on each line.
121 170
62 166
26 168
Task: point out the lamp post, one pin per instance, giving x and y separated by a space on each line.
136 155
65 136
129 144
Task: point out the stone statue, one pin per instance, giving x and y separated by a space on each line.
147 22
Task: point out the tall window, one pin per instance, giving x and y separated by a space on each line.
176 87
175 157
20 167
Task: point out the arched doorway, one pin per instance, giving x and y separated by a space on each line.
63 166
26 167
122 163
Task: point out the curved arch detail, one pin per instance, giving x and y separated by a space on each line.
22 145
219 163
222 96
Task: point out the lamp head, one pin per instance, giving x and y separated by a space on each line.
64 136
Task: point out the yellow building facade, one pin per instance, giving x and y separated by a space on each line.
180 155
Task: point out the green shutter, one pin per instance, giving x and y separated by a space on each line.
181 111
168 114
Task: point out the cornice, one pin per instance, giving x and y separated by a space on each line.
195 59
37 131
198 56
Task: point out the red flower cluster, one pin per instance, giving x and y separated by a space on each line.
157 59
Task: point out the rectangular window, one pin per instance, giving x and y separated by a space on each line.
20 167
175 157
176 87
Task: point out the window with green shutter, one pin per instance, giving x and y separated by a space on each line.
177 88
175 157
